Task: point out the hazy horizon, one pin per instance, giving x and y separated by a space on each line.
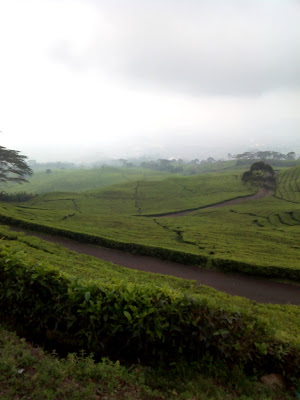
85 80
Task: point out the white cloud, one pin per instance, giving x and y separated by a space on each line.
115 76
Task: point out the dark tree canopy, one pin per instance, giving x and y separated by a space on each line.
260 174
263 167
265 155
13 166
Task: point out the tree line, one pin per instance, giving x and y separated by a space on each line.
265 155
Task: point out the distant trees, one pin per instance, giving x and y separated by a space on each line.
13 166
265 155
39 166
16 197
291 155
261 175
173 166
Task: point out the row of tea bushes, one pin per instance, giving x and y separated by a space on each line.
127 321
280 272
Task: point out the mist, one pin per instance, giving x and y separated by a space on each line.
89 80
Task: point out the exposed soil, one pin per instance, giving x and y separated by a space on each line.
260 290
259 195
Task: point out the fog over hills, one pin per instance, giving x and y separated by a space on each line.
161 78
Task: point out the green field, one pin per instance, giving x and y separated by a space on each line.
130 295
78 180
79 301
261 233
83 179
286 319
289 185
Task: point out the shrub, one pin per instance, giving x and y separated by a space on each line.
135 321
15 197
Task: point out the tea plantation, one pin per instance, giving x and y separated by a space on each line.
77 301
152 323
259 237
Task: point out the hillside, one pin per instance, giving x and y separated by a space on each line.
78 377
288 188
219 345
87 268
261 233
83 179
79 180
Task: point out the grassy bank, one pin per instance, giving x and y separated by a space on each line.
59 294
27 372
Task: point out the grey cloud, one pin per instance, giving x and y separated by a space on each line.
201 48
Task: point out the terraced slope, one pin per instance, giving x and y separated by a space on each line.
78 180
184 193
289 185
283 318
261 233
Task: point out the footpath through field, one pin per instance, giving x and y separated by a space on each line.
260 290
259 195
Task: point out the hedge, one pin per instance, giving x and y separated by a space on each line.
162 253
132 322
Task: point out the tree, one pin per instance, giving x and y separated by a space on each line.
13 166
260 174
262 167
291 155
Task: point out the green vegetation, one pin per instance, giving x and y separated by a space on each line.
271 156
256 237
289 185
68 178
78 302
16 197
260 175
82 302
80 266
13 167
27 372
78 180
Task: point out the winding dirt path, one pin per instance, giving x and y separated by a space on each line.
259 195
260 290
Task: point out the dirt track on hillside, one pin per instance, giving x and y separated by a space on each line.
260 290
259 195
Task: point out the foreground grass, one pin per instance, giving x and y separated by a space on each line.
27 372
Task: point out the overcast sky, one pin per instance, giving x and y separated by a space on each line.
86 78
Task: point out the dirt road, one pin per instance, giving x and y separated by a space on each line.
260 290
259 195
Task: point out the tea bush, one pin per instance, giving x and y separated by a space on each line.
128 321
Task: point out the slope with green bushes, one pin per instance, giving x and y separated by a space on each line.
81 302
258 237
28 372
78 180
288 188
